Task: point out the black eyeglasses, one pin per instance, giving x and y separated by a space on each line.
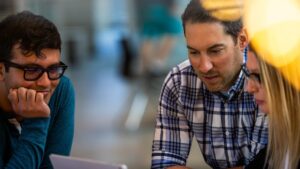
32 73
255 77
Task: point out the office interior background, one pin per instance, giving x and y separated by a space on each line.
116 99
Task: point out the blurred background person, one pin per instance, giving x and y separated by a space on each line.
159 29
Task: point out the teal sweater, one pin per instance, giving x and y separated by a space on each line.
40 137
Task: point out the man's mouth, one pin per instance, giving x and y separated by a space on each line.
210 78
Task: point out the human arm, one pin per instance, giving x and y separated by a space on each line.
259 138
61 129
28 147
8 138
172 139
259 160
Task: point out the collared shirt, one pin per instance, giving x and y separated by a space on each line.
227 126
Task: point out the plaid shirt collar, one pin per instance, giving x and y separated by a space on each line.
234 90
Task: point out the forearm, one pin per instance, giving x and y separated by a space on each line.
259 135
171 145
165 158
29 150
172 140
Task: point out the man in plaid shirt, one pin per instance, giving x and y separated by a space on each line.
204 97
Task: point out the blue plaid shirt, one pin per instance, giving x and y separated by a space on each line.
227 126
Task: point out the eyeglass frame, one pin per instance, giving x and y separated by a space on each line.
255 77
27 68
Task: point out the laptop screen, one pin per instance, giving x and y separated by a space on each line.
66 162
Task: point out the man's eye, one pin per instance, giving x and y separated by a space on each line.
193 52
54 69
216 51
33 70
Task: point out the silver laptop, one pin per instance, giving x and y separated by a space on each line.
66 162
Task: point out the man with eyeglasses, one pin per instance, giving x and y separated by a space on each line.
204 98
36 100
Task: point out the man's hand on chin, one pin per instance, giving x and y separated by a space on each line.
28 103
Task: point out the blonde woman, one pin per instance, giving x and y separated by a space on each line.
277 97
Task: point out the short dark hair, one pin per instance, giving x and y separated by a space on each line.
195 13
33 32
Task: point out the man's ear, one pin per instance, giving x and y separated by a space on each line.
243 39
2 71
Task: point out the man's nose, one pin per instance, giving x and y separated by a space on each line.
44 80
205 64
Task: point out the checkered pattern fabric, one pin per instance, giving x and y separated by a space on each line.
227 126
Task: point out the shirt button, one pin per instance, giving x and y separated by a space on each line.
227 133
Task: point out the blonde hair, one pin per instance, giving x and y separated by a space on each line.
284 118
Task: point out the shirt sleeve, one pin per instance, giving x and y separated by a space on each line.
259 138
259 161
29 150
172 139
61 129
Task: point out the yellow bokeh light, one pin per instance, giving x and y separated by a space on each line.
226 10
278 44
278 23
292 72
273 28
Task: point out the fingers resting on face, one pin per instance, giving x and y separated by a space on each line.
28 103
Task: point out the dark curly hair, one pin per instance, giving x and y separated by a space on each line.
33 32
